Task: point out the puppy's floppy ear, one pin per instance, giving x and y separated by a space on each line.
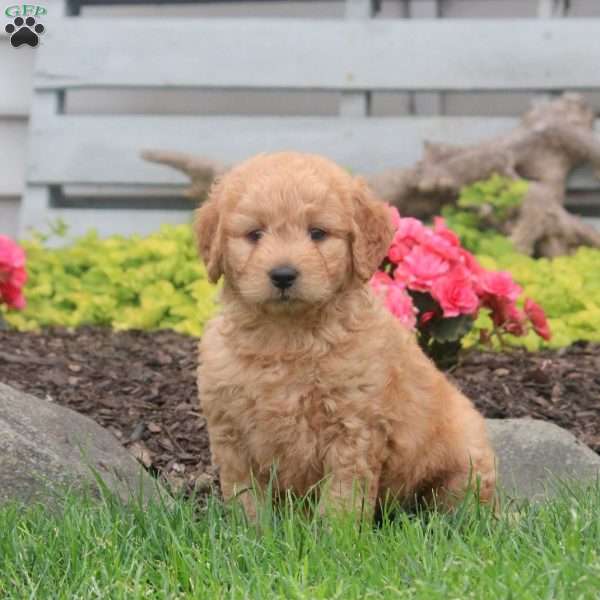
209 235
372 231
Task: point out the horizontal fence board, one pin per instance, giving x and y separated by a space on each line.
389 54
583 179
104 150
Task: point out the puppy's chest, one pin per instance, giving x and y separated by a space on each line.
308 386
297 400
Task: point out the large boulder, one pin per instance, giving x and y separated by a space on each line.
534 457
44 447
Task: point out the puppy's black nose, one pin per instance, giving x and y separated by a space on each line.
283 277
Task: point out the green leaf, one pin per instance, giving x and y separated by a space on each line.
452 328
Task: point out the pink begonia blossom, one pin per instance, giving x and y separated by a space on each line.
500 283
441 246
380 280
11 254
432 261
401 273
470 262
538 319
505 314
12 295
12 273
424 267
499 308
426 317
395 298
516 323
411 230
401 305
441 229
398 250
455 294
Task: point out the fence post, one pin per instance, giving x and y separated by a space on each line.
36 209
552 8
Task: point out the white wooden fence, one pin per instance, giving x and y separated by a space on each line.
354 57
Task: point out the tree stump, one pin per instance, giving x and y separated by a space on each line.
552 138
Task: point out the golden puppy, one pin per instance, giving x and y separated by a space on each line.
304 368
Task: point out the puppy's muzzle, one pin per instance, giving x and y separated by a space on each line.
283 277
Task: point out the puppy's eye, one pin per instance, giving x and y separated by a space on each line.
254 235
317 234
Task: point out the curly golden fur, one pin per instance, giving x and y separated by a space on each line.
317 377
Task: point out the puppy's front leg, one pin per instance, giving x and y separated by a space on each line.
236 478
351 484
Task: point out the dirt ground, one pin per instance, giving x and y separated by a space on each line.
142 387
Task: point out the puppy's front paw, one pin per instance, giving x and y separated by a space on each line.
246 497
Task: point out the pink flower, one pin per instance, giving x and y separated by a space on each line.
12 273
395 298
506 315
400 304
426 317
398 250
441 229
441 246
498 307
455 294
410 230
499 283
423 268
515 322
401 273
470 262
11 254
433 262
12 295
537 317
380 281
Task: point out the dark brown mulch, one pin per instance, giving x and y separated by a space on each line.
562 386
142 387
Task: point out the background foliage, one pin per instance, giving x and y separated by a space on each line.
567 287
154 282
157 281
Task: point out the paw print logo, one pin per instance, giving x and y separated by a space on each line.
24 31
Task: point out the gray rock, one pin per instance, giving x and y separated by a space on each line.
535 456
44 447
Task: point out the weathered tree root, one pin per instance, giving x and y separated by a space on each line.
201 171
551 140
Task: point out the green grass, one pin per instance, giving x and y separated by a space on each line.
106 550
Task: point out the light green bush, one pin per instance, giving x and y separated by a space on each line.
154 282
567 287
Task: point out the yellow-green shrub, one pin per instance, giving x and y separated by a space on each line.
567 287
153 282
